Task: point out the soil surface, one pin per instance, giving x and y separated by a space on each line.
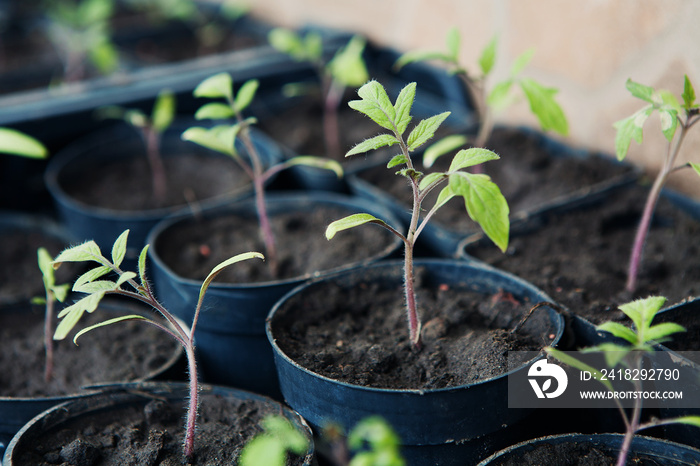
529 174
359 335
192 249
122 352
151 432
127 184
580 257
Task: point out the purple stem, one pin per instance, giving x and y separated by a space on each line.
152 138
193 401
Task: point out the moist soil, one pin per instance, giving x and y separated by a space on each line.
529 174
126 185
359 335
123 352
580 255
193 249
151 432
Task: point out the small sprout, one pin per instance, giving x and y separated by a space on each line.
673 115
540 98
136 286
17 143
270 447
375 443
151 129
641 340
483 200
346 69
222 138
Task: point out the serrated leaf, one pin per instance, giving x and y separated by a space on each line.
350 221
640 91
214 111
484 203
403 105
87 251
142 264
688 94
499 97
430 178
219 138
442 147
17 143
453 43
220 267
425 130
643 311
163 111
373 143
630 128
619 331
521 62
375 104
669 123
106 323
544 107
218 86
245 95
398 159
488 56
92 275
119 248
317 162
663 331
471 157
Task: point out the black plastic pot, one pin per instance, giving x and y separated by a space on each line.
120 397
436 426
17 411
121 142
231 342
444 239
653 450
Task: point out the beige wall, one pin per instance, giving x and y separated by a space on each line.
586 48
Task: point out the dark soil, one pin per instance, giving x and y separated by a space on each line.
151 433
121 352
580 257
192 249
359 335
127 184
529 174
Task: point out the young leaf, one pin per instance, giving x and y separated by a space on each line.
287 41
97 286
414 56
445 195
688 94
91 275
640 91
425 130
373 143
219 138
545 108
581 366
318 162
403 105
214 111
695 167
488 56
396 160
619 331
348 66
87 251
351 221
72 314
453 42
105 323
119 248
375 104
163 111
689 420
643 311
245 95
484 203
217 86
17 143
45 260
442 147
427 180
470 157
125 277
142 264
219 268
521 62
661 332
669 122
630 128
498 98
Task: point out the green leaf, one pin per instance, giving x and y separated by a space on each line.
688 94
619 331
106 323
104 56
398 159
91 275
640 91
669 122
214 111
219 268
125 277
375 104
97 286
87 251
453 43
350 221
347 66
488 56
689 420
72 314
402 107
142 264
445 195
218 86
287 41
499 98
263 449
45 261
429 179
119 248
283 430
695 167
61 292
163 111
470 157
580 365
442 147
661 332
484 203
643 311
630 128
245 95
521 62
67 323
313 46
425 130
219 138
418 56
373 143
17 143
317 162
545 108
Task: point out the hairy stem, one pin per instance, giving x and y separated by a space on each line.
155 161
48 337
193 405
